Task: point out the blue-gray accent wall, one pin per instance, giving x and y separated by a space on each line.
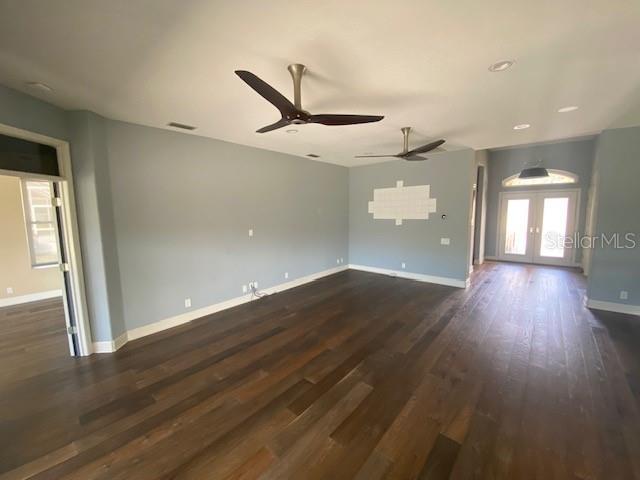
383 244
615 269
94 207
28 113
183 206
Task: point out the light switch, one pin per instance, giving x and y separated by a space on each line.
251 232
445 241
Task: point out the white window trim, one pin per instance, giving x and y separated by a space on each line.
28 222
573 176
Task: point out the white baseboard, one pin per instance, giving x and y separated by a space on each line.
112 346
451 282
613 307
31 297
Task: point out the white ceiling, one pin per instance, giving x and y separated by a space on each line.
421 63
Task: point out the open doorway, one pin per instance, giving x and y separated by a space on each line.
33 333
42 297
478 218
477 254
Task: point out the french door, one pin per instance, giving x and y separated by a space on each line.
538 227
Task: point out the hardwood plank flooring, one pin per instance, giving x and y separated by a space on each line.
355 375
33 339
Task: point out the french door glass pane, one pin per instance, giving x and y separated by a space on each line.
554 227
517 227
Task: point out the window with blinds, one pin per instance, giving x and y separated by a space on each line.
40 222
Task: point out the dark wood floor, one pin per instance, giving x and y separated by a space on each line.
32 340
353 376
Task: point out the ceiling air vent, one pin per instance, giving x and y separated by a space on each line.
313 155
181 125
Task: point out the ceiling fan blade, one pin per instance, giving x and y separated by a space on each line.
375 156
274 126
328 119
426 148
267 92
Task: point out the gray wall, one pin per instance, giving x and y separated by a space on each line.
183 206
28 113
87 134
382 244
575 156
613 270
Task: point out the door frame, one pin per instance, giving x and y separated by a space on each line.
77 296
576 215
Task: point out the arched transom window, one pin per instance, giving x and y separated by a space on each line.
556 177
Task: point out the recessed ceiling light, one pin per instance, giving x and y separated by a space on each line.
43 87
571 108
501 66
291 130
522 126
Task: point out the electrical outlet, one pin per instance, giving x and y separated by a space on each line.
404 265
445 241
9 290
624 295
244 289
337 261
286 274
187 303
341 260
251 232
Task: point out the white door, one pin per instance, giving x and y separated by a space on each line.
517 227
555 226
538 227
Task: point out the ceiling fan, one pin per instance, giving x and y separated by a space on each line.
411 155
292 113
